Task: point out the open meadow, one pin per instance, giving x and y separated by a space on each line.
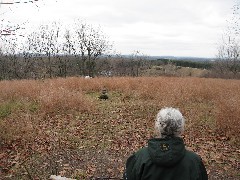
59 126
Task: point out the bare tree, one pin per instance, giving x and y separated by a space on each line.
90 44
11 63
32 50
228 60
49 44
3 65
68 51
104 66
137 62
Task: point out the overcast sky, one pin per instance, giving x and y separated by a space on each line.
154 27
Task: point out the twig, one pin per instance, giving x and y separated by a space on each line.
28 173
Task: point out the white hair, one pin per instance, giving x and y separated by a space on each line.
169 122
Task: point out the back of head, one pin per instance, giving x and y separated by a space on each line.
169 122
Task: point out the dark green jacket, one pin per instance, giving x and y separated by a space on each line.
165 159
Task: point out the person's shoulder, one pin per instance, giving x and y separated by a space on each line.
142 151
192 155
142 154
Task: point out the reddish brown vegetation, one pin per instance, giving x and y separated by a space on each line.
60 126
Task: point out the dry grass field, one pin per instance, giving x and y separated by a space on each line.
59 126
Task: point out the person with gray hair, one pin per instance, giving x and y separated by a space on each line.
165 157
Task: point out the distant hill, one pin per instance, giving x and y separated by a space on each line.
185 58
195 59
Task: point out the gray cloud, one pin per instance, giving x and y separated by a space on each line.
157 27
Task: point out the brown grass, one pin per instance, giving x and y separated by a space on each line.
64 119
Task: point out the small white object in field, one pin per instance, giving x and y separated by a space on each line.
54 177
88 77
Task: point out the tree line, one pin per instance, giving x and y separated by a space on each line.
185 63
80 49
54 51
